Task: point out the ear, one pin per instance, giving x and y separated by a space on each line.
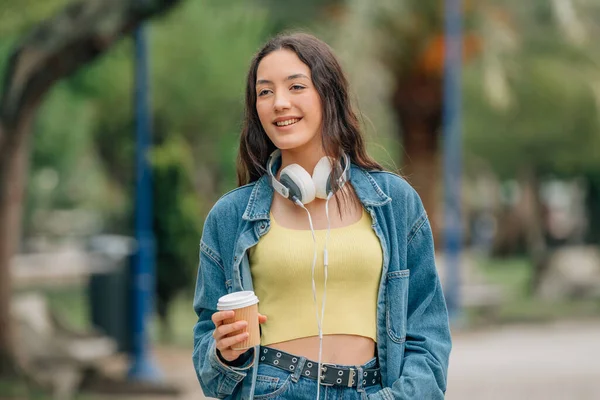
299 182
321 176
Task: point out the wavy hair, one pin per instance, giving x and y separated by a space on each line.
341 129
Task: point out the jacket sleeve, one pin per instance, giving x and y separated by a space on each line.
428 342
216 378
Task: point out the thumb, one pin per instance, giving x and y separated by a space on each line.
262 318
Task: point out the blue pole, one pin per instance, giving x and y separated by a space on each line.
143 277
452 154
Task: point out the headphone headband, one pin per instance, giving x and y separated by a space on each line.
279 188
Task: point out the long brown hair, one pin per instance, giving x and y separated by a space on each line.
341 129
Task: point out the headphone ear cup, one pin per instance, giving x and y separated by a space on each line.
299 182
321 175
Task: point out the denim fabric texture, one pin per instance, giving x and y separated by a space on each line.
413 334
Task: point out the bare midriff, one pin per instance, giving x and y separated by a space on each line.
337 349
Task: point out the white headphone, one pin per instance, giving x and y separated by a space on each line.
296 184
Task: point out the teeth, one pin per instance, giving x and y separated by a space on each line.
287 122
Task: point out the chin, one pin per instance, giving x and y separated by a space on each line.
290 144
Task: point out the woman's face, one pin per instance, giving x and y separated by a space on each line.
287 103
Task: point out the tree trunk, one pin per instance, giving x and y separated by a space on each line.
593 208
56 48
421 165
418 106
13 171
532 213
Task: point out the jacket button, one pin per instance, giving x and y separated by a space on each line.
262 226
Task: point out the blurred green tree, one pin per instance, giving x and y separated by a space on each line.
177 223
533 66
19 15
200 54
542 77
54 48
394 50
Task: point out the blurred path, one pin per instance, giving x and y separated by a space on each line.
551 361
176 364
529 362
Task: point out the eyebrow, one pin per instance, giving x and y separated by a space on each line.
289 78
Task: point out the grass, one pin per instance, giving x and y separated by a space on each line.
514 275
183 319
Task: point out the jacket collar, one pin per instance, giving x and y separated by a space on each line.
368 191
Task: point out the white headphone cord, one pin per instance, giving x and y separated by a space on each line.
314 289
325 270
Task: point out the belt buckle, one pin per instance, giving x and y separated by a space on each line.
323 370
351 377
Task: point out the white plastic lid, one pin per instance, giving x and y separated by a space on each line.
237 300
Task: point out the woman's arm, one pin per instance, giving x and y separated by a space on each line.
216 378
428 341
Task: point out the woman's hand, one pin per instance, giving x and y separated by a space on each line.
222 330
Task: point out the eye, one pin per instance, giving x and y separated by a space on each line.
297 87
263 92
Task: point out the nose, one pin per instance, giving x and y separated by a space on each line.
282 101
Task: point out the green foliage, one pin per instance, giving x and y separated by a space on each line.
177 220
107 86
298 15
61 141
83 147
553 125
16 16
201 56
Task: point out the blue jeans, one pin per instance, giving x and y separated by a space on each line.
276 383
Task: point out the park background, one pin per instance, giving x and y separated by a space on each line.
530 176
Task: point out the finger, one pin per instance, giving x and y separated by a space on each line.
262 318
219 316
226 343
226 329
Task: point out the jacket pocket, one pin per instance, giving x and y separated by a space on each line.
397 304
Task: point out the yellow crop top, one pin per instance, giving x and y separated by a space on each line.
281 272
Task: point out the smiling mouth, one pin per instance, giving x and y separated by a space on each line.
287 122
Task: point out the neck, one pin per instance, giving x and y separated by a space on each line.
306 158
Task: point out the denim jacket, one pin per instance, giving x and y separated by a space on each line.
413 335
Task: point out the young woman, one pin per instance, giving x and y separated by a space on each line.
349 286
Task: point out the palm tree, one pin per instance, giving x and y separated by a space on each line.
395 51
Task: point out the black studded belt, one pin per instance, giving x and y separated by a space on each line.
330 374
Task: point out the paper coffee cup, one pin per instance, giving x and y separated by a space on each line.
245 305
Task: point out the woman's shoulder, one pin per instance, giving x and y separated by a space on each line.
403 195
392 184
231 205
